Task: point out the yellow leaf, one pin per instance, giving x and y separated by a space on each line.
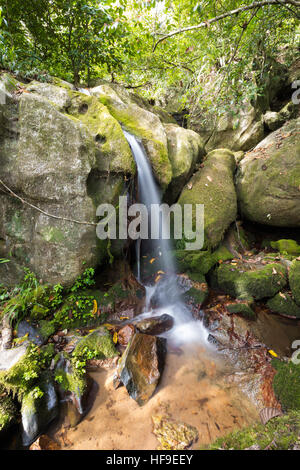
273 353
108 326
124 318
152 260
157 278
95 308
115 337
161 272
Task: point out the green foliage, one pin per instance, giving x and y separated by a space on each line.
84 281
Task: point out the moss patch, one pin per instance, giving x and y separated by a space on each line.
286 384
201 261
280 433
286 246
8 410
283 304
99 342
294 278
242 308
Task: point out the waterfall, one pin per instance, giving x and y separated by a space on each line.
167 292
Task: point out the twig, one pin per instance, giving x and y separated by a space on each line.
237 11
44 212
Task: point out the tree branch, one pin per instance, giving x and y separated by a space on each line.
43 212
237 11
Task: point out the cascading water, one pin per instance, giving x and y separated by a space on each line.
167 291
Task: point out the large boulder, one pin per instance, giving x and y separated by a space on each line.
65 164
268 180
185 149
213 187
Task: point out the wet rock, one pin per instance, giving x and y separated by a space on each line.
155 325
33 333
142 365
125 334
76 407
95 364
44 442
10 357
38 410
6 335
198 291
173 435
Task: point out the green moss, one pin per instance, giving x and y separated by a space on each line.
285 246
240 282
242 308
294 278
201 261
71 381
46 329
286 384
280 433
22 377
8 410
99 342
283 304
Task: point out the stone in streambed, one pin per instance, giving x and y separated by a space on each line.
243 308
155 325
142 365
173 435
125 334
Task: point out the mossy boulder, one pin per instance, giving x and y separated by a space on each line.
213 187
58 95
286 246
286 384
185 149
240 281
143 124
294 279
283 304
268 179
200 261
196 288
99 342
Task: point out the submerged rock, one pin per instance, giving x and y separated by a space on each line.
173 435
155 325
213 187
44 442
268 179
141 366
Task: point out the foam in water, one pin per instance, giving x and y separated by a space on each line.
166 293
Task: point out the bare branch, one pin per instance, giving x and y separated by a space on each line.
42 211
237 11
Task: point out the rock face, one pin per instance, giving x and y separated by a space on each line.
268 179
213 186
142 365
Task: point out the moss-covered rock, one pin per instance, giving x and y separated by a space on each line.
99 342
8 411
200 261
243 308
286 246
268 180
294 279
58 95
196 288
213 187
245 283
281 433
143 124
286 384
283 304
